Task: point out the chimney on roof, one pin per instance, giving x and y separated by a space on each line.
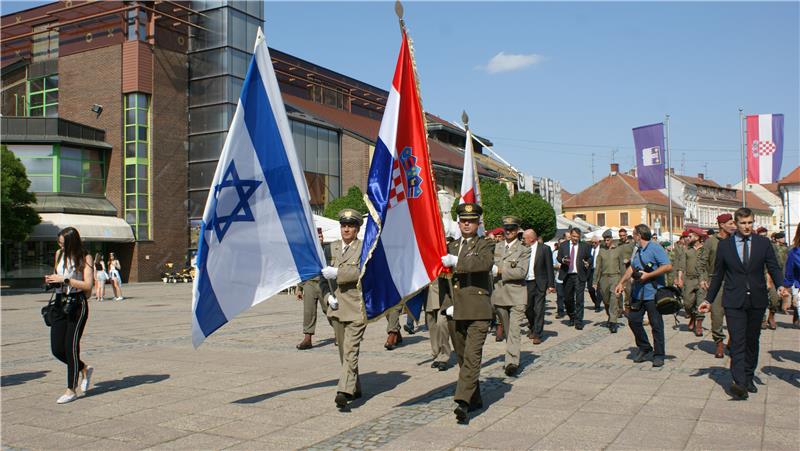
632 172
701 176
614 168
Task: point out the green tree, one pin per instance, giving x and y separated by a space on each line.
19 217
353 199
495 201
535 213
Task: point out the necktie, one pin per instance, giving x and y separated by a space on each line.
464 244
572 258
746 251
345 248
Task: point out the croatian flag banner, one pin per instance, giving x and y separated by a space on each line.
257 236
649 143
403 239
764 148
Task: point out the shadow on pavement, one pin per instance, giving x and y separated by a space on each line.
21 378
126 382
790 376
784 355
709 347
718 374
372 384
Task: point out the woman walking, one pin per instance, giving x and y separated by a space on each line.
113 273
73 279
100 277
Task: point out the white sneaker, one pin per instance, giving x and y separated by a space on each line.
67 397
119 298
87 379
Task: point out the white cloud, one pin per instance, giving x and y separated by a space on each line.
507 62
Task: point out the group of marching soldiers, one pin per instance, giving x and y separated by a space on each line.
502 284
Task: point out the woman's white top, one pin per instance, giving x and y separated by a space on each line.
68 271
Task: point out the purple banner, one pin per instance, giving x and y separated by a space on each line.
650 162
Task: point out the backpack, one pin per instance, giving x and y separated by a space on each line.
668 300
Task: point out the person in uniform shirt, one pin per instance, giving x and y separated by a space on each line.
393 337
345 306
726 228
678 259
310 293
437 324
468 305
609 267
693 271
626 246
781 252
511 258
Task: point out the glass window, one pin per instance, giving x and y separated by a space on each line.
137 164
70 184
72 168
210 118
38 165
210 62
206 147
238 30
601 219
197 203
41 184
333 152
239 62
201 174
209 90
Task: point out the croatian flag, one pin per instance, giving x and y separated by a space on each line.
403 240
470 189
764 148
257 236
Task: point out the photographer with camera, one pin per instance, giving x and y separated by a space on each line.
648 267
73 281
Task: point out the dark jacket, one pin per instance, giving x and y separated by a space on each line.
583 253
738 279
472 280
543 267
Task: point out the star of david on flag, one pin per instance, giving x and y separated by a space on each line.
243 190
257 236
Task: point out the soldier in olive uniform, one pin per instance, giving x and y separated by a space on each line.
781 253
437 324
310 293
626 246
726 227
678 259
393 337
511 258
468 305
693 270
609 268
345 305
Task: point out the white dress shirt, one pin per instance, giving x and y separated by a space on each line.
531 275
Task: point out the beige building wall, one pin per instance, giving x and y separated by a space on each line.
627 216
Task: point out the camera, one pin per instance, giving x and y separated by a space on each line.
637 274
53 286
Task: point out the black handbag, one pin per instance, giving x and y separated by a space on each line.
47 311
668 300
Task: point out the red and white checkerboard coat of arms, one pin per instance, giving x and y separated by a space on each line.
763 148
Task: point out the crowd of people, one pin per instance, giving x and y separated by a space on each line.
500 284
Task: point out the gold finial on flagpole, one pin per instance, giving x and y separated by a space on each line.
398 8
465 119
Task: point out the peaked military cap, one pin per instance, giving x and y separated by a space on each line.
608 234
780 235
350 216
469 211
511 222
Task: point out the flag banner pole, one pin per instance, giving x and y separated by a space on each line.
669 175
404 235
744 157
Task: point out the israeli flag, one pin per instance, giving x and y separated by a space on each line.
257 236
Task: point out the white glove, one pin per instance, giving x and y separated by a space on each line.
449 260
449 311
332 302
330 272
494 270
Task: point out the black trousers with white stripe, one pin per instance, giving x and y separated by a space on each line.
65 337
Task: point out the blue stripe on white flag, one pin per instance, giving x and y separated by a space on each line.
264 133
208 312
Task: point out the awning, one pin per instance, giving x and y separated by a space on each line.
91 228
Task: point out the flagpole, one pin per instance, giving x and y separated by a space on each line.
669 177
744 158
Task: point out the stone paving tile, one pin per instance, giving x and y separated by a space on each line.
270 396
645 432
53 440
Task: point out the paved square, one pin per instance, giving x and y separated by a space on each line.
248 387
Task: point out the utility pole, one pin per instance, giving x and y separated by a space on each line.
614 154
705 170
683 163
592 167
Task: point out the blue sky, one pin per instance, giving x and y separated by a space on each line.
580 75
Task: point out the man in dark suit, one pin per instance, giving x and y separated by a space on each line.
575 258
741 260
539 280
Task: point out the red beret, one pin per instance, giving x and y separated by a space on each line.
761 229
723 218
685 233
